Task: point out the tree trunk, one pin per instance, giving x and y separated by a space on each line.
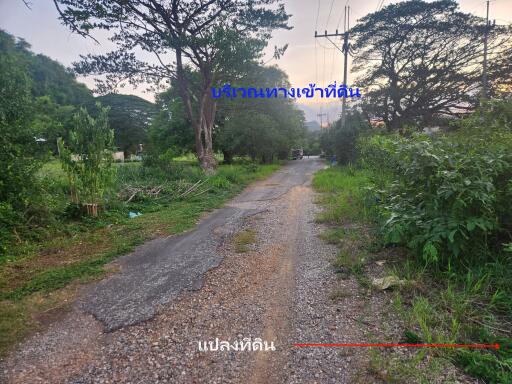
202 119
208 161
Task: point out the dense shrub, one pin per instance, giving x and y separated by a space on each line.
19 152
450 195
87 157
342 140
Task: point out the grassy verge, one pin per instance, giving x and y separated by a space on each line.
463 305
42 275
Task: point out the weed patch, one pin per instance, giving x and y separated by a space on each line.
465 303
79 248
242 240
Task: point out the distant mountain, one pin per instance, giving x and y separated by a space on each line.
48 77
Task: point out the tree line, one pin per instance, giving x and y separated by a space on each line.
196 45
45 113
421 65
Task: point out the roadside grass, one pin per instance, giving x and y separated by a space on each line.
336 235
469 304
416 368
39 273
463 308
342 194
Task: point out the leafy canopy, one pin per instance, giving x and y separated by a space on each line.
421 59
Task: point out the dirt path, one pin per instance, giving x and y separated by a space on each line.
144 324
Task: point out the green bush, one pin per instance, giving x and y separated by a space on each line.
451 194
342 140
87 157
20 155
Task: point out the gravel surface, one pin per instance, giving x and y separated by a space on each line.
144 324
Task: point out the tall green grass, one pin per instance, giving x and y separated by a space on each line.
464 303
32 276
343 194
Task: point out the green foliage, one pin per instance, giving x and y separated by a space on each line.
263 129
53 90
52 79
341 141
170 128
85 246
19 153
344 196
460 302
129 116
493 368
87 158
312 145
251 133
450 195
426 62
377 151
449 202
224 40
48 77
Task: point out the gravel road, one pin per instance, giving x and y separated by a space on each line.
144 323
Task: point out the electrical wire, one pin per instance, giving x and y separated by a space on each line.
316 42
332 65
317 13
329 16
323 70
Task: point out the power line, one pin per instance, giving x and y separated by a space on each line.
332 64
345 50
317 13
329 16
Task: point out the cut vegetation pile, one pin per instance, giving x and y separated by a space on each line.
40 275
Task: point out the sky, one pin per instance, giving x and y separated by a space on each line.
307 60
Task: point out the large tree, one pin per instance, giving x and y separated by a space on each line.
170 129
260 128
130 117
213 37
420 59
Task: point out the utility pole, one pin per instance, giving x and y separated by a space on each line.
345 50
321 115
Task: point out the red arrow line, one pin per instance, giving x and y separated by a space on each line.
488 346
